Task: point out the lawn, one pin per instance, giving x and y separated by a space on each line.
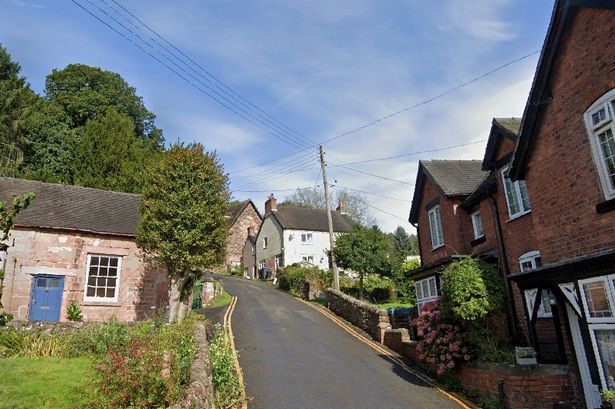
394 305
45 382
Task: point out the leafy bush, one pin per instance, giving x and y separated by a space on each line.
74 312
197 295
488 346
237 270
100 338
440 344
472 289
5 318
228 390
294 277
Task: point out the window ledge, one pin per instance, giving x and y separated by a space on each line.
92 303
478 240
436 248
605 206
518 216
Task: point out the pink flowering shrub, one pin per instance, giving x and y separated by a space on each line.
440 344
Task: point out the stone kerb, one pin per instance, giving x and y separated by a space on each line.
200 393
366 316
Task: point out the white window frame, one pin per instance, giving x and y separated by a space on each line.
546 297
434 219
309 259
117 280
307 238
518 188
606 102
477 225
264 243
426 283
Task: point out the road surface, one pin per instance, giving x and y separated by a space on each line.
293 357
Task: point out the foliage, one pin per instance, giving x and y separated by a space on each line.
490 402
440 344
403 243
100 338
85 93
487 344
293 278
183 224
472 289
51 382
607 395
237 271
74 312
354 203
227 388
366 251
5 318
220 300
110 156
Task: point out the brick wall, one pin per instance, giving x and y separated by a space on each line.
562 179
239 233
143 289
366 316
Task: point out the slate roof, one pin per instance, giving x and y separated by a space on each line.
304 218
74 208
512 125
500 128
456 177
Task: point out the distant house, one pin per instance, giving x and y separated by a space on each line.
249 256
243 219
77 245
291 235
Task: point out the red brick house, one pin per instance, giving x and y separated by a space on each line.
76 245
566 154
243 218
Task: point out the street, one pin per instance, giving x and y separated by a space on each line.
293 358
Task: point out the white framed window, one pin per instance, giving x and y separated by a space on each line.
264 242
278 263
600 124
262 264
307 238
435 227
426 290
477 225
517 199
309 259
102 278
532 261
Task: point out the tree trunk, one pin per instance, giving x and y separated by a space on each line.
174 299
360 286
185 306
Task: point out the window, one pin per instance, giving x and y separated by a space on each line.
435 227
262 264
102 278
477 225
264 242
254 248
531 261
306 238
600 123
278 263
517 199
426 290
309 259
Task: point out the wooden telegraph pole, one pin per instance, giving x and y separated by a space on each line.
336 278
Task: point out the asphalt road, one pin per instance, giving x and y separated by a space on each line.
295 358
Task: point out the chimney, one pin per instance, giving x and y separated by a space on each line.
341 207
271 205
251 231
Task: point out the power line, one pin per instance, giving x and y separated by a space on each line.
373 194
427 101
372 174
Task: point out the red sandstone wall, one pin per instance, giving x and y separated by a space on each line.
239 233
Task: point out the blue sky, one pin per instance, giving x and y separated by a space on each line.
318 68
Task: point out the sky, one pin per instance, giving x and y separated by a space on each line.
265 82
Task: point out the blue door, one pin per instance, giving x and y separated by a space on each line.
46 298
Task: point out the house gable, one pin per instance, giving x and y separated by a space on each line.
243 218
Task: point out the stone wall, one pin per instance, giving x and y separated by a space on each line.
524 386
143 289
249 218
366 316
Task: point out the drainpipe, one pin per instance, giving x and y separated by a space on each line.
511 316
418 240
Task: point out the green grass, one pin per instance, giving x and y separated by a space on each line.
393 305
220 301
45 382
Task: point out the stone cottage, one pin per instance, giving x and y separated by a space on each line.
77 245
243 218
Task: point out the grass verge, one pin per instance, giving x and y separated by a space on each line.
387 305
220 301
45 382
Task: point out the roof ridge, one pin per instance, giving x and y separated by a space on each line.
62 185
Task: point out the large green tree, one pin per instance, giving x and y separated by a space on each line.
183 224
366 250
85 93
16 99
404 244
110 156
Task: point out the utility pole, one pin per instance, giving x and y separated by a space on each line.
336 278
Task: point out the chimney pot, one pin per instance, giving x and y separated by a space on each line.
341 207
271 204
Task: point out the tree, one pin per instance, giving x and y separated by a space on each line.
85 93
354 203
7 214
366 250
183 224
16 99
110 156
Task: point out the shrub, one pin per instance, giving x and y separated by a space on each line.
472 289
100 338
74 312
237 270
294 277
5 318
228 390
15 343
440 344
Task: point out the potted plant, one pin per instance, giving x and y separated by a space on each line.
525 356
608 398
